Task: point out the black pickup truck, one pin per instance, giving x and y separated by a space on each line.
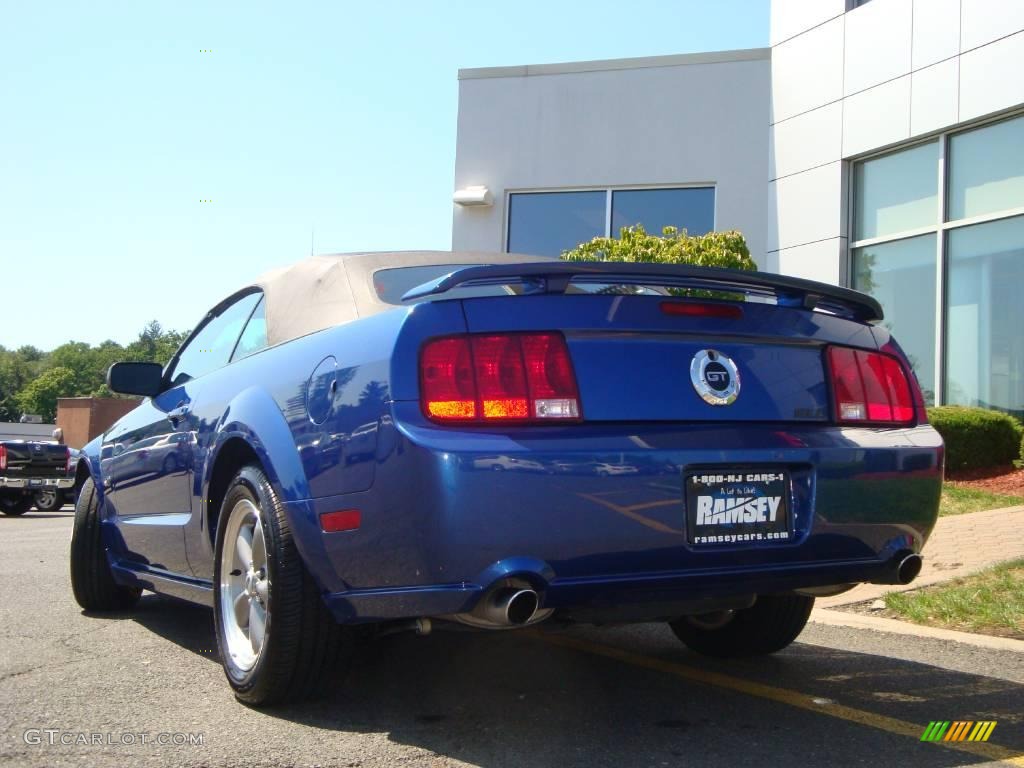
30 472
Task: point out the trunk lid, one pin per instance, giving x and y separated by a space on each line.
633 360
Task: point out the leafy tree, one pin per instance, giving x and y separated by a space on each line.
17 368
154 345
40 396
673 246
31 380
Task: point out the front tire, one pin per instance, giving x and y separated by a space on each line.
50 500
769 625
91 579
276 638
16 504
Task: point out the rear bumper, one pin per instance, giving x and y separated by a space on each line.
37 483
621 595
442 524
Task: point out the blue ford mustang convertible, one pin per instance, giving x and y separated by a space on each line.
415 440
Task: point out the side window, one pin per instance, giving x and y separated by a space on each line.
211 347
254 337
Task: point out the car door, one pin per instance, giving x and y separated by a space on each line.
147 460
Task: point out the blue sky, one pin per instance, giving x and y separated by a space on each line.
337 117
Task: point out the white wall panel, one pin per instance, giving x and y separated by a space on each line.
806 207
933 97
877 46
876 117
791 17
987 20
805 141
936 31
991 77
807 71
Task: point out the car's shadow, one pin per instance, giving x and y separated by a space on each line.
525 699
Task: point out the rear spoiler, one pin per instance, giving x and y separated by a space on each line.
555 277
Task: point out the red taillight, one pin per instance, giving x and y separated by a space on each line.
446 379
695 309
67 459
498 377
342 520
869 387
3 457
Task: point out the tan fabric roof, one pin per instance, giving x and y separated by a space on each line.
323 291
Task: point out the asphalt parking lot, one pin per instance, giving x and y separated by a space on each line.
629 696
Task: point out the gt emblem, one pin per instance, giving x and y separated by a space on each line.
715 377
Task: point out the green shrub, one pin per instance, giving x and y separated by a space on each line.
976 437
673 246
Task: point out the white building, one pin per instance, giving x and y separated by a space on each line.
878 144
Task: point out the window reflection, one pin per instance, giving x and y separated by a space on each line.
547 223
984 338
901 275
896 192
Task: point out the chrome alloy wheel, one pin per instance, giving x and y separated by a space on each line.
244 585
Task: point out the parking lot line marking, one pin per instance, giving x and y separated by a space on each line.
784 696
628 512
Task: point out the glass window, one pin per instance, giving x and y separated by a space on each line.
896 192
984 337
692 209
210 348
547 223
986 172
254 337
901 275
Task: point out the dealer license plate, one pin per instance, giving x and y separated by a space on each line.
738 506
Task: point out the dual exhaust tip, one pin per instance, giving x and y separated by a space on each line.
516 606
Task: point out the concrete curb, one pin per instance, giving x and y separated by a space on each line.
896 627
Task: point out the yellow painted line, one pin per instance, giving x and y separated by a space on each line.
784 696
653 504
628 512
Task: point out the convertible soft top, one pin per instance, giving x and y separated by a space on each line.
323 291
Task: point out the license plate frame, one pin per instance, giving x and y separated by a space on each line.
737 506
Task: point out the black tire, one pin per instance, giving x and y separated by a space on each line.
769 625
15 504
91 579
304 650
50 501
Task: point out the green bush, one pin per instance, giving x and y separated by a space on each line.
673 246
976 437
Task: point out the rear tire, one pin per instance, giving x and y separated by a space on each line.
50 501
15 504
769 625
277 640
91 579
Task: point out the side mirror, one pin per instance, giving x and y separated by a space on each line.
144 379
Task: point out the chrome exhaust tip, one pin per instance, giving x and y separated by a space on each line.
521 606
908 569
509 607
